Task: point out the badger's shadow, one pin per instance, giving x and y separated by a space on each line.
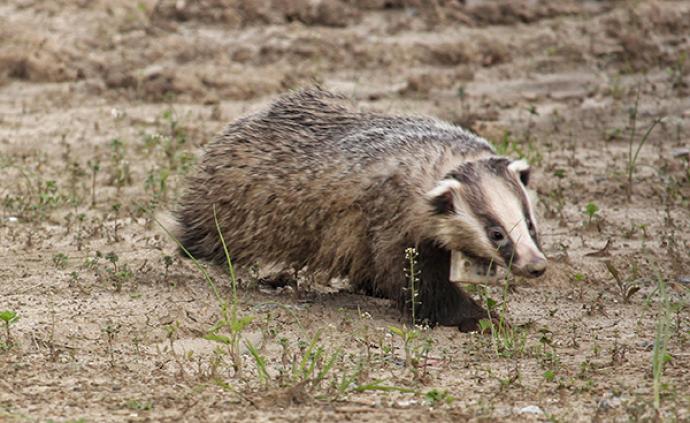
438 302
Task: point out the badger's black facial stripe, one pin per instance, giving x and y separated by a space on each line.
520 193
505 246
497 165
465 174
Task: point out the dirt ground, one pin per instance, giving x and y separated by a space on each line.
104 106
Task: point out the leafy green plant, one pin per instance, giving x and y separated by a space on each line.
35 198
579 279
9 318
60 260
524 148
408 336
157 184
119 275
172 162
507 340
259 360
626 289
139 405
120 174
591 210
436 396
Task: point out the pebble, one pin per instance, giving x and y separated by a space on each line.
608 403
531 409
683 152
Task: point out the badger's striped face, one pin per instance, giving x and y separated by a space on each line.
482 210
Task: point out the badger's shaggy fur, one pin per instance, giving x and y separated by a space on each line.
312 183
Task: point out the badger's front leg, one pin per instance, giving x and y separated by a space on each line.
439 301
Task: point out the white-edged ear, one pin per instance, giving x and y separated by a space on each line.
441 197
521 167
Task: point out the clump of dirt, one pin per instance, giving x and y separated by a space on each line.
26 57
496 12
648 36
238 14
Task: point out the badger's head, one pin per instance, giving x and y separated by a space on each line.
482 213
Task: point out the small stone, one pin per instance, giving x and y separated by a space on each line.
681 152
608 403
645 344
531 409
684 279
404 403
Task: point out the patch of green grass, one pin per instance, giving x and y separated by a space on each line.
60 261
35 198
139 405
173 162
117 273
522 148
660 354
507 340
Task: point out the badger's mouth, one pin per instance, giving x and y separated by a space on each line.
466 268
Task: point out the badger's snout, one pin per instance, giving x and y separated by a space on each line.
533 267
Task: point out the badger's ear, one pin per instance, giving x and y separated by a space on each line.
521 167
441 197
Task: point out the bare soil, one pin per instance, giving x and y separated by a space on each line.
104 106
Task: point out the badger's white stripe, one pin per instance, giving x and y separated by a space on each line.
507 207
444 186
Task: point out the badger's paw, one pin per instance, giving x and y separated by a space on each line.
482 325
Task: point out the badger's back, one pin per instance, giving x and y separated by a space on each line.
312 182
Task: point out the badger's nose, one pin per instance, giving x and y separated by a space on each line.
536 267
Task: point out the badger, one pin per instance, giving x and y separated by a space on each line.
312 183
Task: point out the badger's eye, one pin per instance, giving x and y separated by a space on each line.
496 235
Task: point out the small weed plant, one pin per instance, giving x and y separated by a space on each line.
507 340
591 210
8 318
416 352
660 354
632 157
